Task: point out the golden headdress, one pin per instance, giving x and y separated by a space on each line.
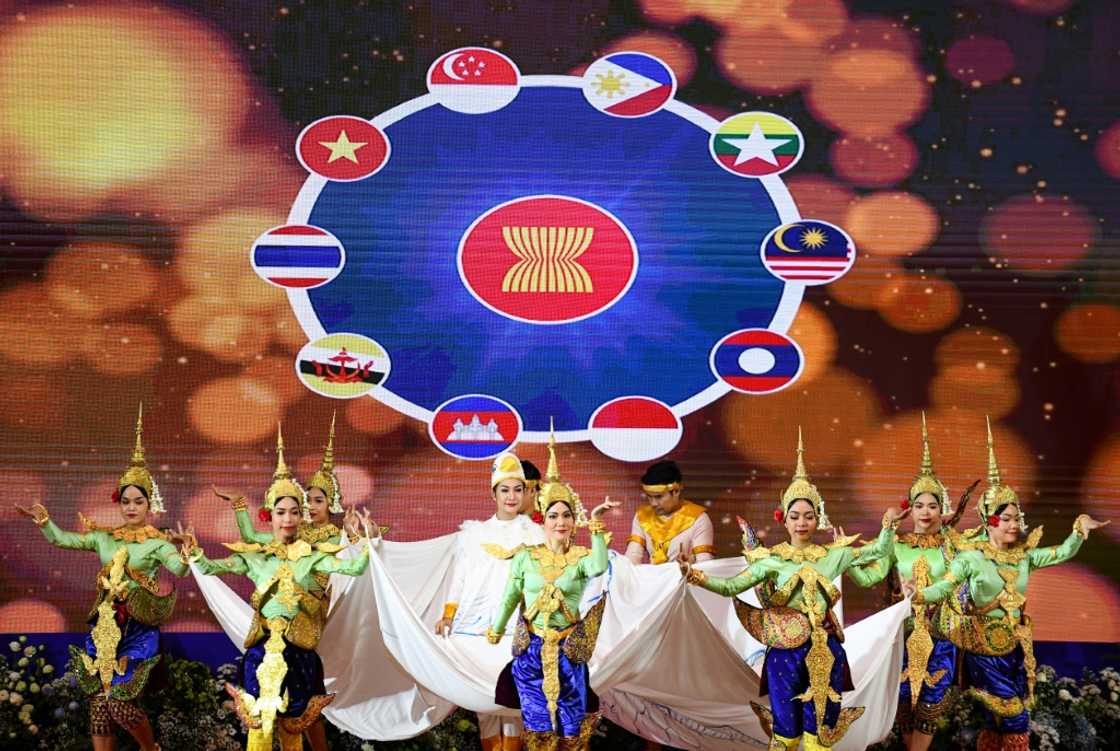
325 479
800 489
997 494
554 490
926 481
283 483
137 473
506 467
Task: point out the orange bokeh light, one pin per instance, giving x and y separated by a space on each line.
980 59
34 330
809 21
876 33
873 162
1038 233
815 334
819 197
235 410
979 348
991 391
669 48
862 287
1100 486
279 374
919 305
122 349
373 418
767 62
1092 615
30 616
836 408
24 488
95 280
214 253
78 134
871 92
1089 332
892 223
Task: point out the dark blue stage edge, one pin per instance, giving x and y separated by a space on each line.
215 650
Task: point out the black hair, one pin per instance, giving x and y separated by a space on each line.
530 470
663 472
138 487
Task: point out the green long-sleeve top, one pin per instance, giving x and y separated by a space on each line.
148 548
291 567
551 584
315 535
997 579
789 568
934 547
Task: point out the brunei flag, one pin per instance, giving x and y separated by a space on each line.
756 144
342 366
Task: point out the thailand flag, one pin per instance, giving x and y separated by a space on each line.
474 80
635 429
629 84
298 256
757 361
474 426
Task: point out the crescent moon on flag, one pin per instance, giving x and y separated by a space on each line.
448 66
780 242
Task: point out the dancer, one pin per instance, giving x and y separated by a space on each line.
480 568
669 525
553 644
805 668
282 675
532 487
994 566
929 663
123 646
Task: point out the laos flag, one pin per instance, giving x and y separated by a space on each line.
757 361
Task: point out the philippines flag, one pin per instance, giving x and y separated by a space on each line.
298 256
629 84
810 251
474 426
635 429
757 361
474 80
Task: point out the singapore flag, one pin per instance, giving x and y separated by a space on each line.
474 80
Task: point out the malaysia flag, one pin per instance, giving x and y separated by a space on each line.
635 429
809 251
298 256
757 361
475 426
629 84
474 80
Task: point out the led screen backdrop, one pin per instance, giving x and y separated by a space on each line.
456 222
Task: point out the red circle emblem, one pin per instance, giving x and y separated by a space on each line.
547 259
342 148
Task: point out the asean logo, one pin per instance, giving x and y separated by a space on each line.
547 259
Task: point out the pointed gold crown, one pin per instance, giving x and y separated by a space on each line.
555 490
800 489
138 474
926 481
325 478
283 485
997 494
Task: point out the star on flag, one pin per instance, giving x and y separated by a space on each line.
343 148
755 146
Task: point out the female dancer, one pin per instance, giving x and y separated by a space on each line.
282 674
123 646
805 668
994 566
553 645
929 663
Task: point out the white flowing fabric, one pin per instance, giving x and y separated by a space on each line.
671 663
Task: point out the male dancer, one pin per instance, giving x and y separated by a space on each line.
669 525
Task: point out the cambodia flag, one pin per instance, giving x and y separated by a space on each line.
298 256
757 361
635 429
475 427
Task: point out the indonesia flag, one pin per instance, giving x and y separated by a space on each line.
474 80
629 84
298 256
635 429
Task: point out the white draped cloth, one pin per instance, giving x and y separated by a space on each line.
672 664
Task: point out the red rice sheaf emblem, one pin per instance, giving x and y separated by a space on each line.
547 259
